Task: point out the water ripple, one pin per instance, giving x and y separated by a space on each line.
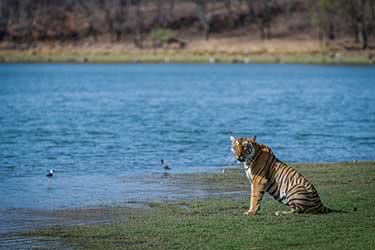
98 121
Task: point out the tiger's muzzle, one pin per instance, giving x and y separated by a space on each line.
241 158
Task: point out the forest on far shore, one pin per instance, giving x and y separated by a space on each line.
30 21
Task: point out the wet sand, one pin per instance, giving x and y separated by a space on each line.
142 190
146 190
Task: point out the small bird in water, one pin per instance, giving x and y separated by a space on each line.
164 165
50 174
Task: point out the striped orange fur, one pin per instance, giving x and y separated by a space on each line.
267 174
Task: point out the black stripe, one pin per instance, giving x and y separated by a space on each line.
286 175
314 209
280 175
279 199
274 190
299 199
276 194
271 185
303 192
306 201
273 172
294 174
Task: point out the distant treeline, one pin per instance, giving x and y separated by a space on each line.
28 21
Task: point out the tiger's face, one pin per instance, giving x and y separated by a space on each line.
243 148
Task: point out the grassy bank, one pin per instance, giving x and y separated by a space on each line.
218 223
243 49
181 57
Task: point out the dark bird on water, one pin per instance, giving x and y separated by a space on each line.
164 165
50 174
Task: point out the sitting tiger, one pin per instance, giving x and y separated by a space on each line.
267 174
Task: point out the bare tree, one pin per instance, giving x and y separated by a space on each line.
170 11
139 36
260 13
119 18
4 17
25 21
362 18
264 18
231 13
203 17
334 15
325 13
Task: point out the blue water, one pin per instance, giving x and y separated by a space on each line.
97 123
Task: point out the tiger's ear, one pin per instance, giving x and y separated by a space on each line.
232 139
255 138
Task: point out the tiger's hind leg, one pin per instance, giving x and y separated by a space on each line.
293 210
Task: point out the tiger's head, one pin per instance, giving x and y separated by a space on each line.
243 148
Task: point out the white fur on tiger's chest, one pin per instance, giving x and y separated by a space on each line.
247 171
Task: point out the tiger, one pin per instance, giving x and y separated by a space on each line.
267 174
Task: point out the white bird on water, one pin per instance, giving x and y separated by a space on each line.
50 174
164 165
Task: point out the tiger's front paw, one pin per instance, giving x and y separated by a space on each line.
249 213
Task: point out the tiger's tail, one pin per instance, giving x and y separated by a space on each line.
327 210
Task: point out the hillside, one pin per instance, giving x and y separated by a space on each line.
193 26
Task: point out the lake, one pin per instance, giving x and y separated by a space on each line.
98 124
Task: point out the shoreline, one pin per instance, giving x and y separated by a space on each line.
218 49
227 192
177 186
319 59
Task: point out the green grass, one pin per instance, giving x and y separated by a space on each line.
171 56
218 223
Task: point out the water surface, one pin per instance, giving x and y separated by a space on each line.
95 124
